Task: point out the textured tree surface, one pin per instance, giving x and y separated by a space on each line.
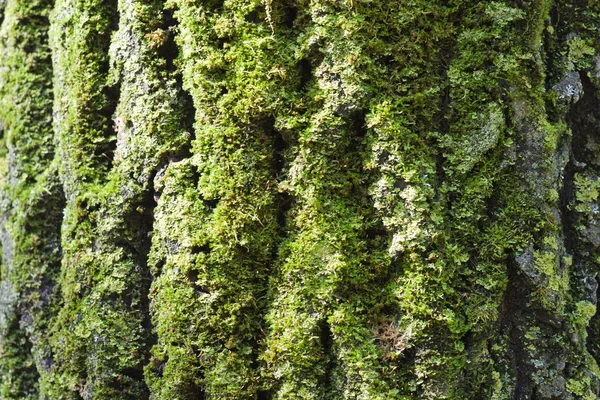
293 199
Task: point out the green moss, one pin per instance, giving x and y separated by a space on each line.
584 311
547 265
580 388
365 204
19 376
101 334
219 257
443 280
580 52
30 196
587 189
80 35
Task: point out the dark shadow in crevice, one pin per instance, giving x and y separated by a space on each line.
326 340
134 373
104 151
583 121
444 124
264 395
593 329
285 201
290 14
211 204
191 389
359 124
32 43
305 71
136 241
255 16
169 51
200 249
510 319
193 275
114 19
279 146
554 56
188 120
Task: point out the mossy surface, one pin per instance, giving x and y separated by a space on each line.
243 199
119 121
30 198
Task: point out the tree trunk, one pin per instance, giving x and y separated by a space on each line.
299 200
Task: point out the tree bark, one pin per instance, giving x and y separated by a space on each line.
299 200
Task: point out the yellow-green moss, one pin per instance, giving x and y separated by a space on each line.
30 198
353 200
112 144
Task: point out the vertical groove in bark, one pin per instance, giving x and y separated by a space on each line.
551 326
417 175
583 174
539 257
471 244
581 226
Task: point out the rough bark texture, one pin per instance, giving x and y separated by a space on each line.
277 199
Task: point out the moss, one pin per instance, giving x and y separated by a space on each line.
442 280
299 200
19 376
101 335
31 197
219 257
557 281
584 311
580 52
586 192
81 30
580 388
